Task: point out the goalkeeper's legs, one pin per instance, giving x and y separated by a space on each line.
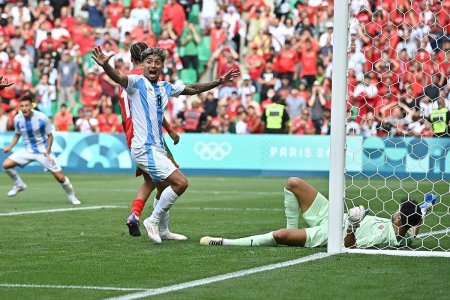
289 237
266 239
303 192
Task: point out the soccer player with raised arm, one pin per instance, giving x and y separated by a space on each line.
147 187
148 98
36 131
361 231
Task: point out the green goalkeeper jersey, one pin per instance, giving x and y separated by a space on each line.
377 232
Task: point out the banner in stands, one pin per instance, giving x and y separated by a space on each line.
282 155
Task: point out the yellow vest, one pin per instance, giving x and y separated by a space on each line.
439 120
274 116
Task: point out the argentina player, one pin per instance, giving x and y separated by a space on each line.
36 131
148 98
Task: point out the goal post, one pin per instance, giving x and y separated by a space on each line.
337 137
394 162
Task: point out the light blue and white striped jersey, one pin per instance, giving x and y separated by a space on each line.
147 103
34 131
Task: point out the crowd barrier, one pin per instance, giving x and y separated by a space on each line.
266 155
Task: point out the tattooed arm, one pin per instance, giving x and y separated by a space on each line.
198 88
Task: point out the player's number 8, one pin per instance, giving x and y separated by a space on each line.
158 98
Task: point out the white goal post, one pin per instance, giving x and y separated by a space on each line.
434 237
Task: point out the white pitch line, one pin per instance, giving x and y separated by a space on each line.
79 287
215 192
189 284
427 234
45 211
230 208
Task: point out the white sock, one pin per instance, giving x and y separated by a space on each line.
167 199
14 176
67 187
291 209
164 221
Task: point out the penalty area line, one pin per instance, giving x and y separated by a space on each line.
46 211
200 282
76 287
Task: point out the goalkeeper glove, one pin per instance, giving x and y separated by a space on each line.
355 216
428 201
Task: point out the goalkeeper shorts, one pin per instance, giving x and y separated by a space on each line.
317 218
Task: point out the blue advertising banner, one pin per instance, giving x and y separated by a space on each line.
83 152
282 155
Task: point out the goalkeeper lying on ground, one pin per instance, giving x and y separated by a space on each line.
361 231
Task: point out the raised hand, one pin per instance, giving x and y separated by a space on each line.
99 57
4 82
230 75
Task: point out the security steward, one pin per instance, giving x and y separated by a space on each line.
439 119
275 118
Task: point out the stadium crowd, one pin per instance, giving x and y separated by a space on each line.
399 63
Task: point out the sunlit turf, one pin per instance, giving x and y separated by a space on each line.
93 248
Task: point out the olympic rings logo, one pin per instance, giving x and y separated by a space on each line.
212 150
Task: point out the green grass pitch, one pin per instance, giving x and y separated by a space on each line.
92 248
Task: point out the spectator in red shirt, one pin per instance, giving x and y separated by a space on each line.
63 119
80 30
254 120
217 34
229 87
67 20
254 63
173 12
114 11
45 44
91 92
233 105
108 121
288 61
308 60
145 3
9 93
138 32
15 64
302 124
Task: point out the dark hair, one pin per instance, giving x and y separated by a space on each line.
153 51
27 96
136 51
410 213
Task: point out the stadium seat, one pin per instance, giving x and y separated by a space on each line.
204 49
188 76
204 52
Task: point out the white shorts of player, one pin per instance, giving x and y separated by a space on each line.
154 161
23 157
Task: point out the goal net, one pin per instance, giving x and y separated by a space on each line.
391 137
